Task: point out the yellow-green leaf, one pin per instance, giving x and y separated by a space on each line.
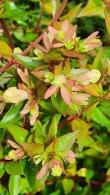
32 148
107 18
93 7
71 14
68 185
82 172
82 127
5 50
19 134
93 89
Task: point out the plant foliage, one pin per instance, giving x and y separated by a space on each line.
54 97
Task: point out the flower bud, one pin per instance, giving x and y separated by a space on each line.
14 95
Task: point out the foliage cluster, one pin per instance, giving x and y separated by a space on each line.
54 97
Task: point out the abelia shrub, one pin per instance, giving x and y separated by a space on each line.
54 99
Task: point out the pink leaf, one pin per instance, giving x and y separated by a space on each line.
50 91
46 41
81 98
23 75
13 144
52 33
43 171
65 25
57 45
74 54
92 36
65 94
70 31
26 108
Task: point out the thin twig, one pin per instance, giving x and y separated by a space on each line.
32 45
56 17
7 34
35 43
60 10
8 65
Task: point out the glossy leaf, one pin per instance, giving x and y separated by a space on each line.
72 14
65 142
2 169
91 7
30 170
11 116
19 134
14 184
68 185
54 125
14 168
82 128
100 118
28 62
39 133
32 148
62 107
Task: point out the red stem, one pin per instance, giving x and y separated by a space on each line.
33 44
8 65
60 10
56 17
7 34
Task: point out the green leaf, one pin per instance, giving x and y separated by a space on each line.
56 193
2 169
98 60
14 168
19 134
2 134
30 171
11 116
68 185
65 142
26 38
82 172
105 107
62 107
93 7
71 15
82 128
14 184
89 174
100 118
46 106
54 125
11 10
28 62
39 133
24 187
4 78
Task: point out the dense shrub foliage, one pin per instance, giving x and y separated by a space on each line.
54 97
